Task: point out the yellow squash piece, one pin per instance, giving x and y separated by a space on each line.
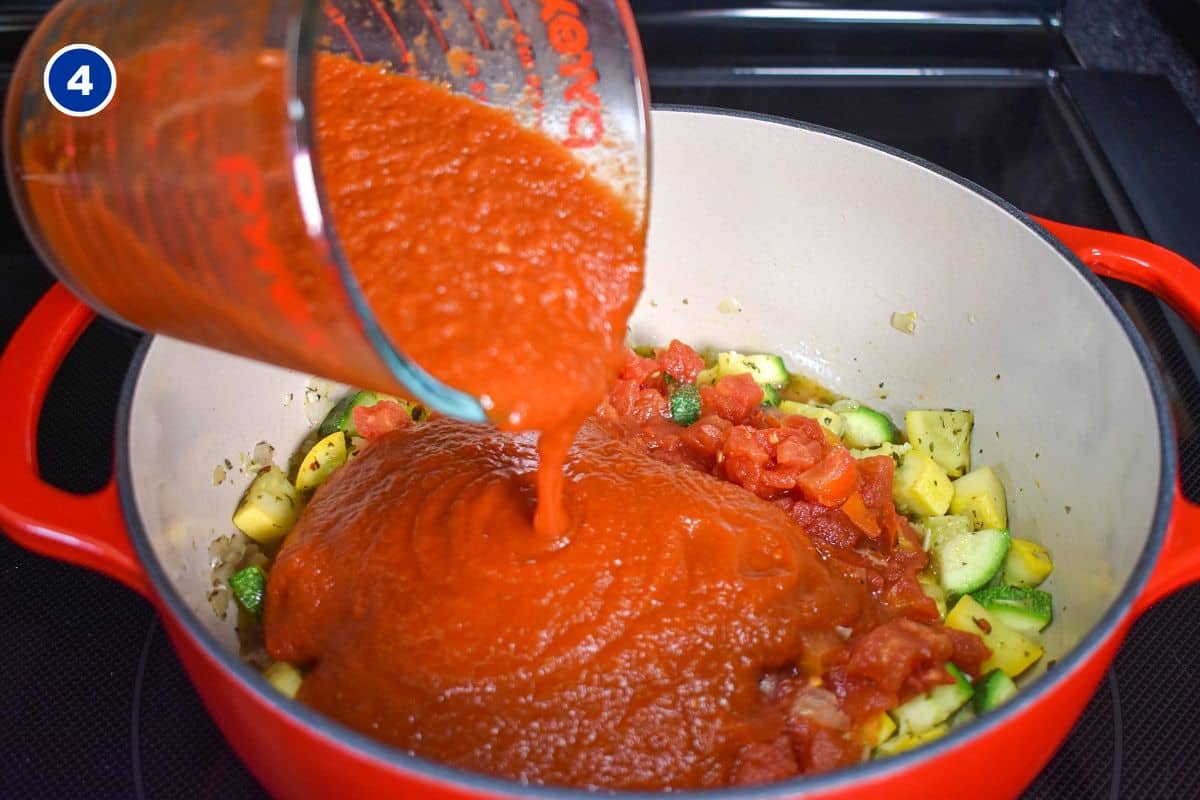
980 495
284 677
1012 651
829 419
876 730
921 488
269 507
900 744
943 435
1027 564
324 457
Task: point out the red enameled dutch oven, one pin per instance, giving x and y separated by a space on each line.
765 235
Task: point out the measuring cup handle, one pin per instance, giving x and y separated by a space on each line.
82 529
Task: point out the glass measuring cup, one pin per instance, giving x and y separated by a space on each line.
192 205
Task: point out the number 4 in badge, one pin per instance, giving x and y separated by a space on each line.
79 80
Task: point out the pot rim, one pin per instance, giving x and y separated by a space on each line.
866 772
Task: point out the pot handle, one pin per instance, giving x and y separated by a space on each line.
81 529
1175 280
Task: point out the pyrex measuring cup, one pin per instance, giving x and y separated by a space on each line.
192 205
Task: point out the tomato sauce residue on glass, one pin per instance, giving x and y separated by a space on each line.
488 252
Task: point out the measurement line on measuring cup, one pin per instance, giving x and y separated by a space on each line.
339 20
479 31
405 55
433 23
527 58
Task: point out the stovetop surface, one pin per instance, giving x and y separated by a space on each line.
97 704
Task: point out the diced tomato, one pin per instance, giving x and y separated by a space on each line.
680 362
734 397
969 651
875 476
383 417
832 480
860 515
906 597
893 652
639 369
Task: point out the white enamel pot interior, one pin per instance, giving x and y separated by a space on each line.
768 236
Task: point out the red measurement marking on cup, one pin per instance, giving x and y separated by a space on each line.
434 24
525 55
569 37
247 191
405 56
339 20
483 39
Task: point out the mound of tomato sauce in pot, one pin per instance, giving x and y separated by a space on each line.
737 604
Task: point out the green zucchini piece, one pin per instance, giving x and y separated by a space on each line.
770 395
341 416
866 427
1023 609
965 562
994 689
685 404
944 434
926 712
249 587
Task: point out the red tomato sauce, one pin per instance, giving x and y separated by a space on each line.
737 603
488 252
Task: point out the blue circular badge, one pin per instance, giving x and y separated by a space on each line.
79 80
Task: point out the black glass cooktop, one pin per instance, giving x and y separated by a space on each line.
96 704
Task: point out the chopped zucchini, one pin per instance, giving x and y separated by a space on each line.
946 526
1027 565
770 395
896 451
284 677
899 744
965 562
866 427
876 730
980 495
249 587
829 419
993 689
944 435
324 457
934 591
766 369
685 404
269 507
921 488
1012 651
341 416
924 713
1025 610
